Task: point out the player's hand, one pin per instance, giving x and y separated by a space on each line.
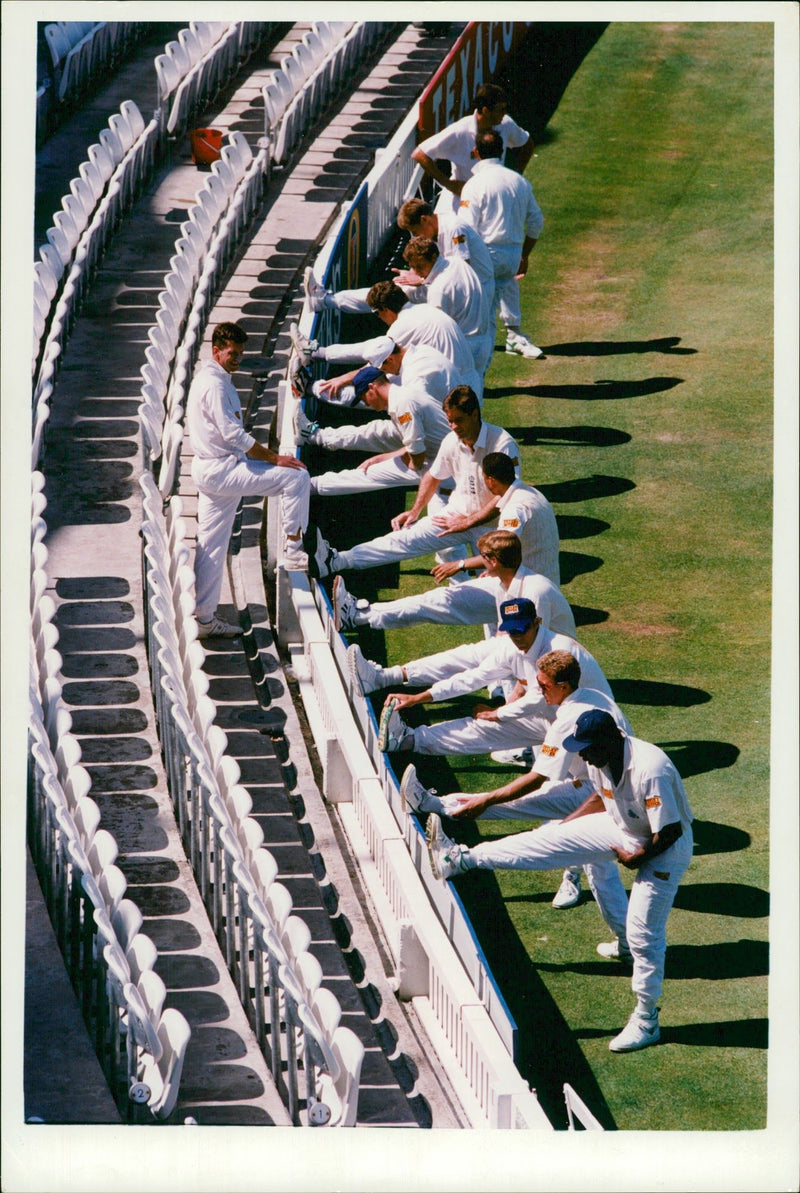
522 270
450 523
406 519
402 699
469 806
407 277
290 462
367 463
631 860
481 713
332 386
443 571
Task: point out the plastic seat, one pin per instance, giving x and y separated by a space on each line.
102 160
264 871
109 138
133 116
112 884
164 1076
153 992
168 75
85 815
141 955
102 852
341 1092
179 55
127 922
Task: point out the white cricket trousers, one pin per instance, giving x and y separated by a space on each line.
471 602
505 258
592 839
553 801
420 539
221 483
388 474
378 435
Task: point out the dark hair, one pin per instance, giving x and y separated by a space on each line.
462 398
411 212
386 296
489 145
499 467
489 95
228 333
421 249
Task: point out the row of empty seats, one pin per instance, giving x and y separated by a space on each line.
114 173
82 52
298 92
140 1044
315 1061
196 66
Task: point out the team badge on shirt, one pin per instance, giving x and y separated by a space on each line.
549 751
509 523
653 802
403 419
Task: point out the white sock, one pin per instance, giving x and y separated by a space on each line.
393 675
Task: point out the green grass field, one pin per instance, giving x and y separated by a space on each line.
649 427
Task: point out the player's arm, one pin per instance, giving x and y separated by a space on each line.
259 452
658 843
472 806
590 805
450 523
443 571
430 167
427 487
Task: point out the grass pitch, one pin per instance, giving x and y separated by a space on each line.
649 427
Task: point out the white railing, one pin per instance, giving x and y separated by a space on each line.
251 912
140 1045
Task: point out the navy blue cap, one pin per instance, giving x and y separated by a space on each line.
517 616
592 726
364 378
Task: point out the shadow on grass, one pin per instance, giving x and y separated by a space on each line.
587 488
602 390
667 344
746 1033
724 898
576 526
565 436
710 837
731 959
547 1051
585 615
572 564
650 692
700 757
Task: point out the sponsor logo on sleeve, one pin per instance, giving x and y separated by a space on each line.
549 751
459 239
509 523
404 419
653 802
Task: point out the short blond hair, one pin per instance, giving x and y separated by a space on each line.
561 667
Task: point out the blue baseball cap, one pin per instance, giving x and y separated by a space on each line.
592 726
517 616
364 378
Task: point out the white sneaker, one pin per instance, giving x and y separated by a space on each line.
447 858
217 628
294 557
612 950
323 560
364 674
393 733
345 606
416 798
305 431
521 346
640 1032
521 756
569 893
299 378
302 345
315 293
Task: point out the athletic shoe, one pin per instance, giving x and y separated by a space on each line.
521 756
300 378
415 797
345 606
612 950
569 893
315 293
364 674
393 733
447 858
323 559
294 557
217 628
640 1032
519 345
305 430
302 345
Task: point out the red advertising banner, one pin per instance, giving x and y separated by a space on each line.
475 58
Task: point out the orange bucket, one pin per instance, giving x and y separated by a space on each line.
206 144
